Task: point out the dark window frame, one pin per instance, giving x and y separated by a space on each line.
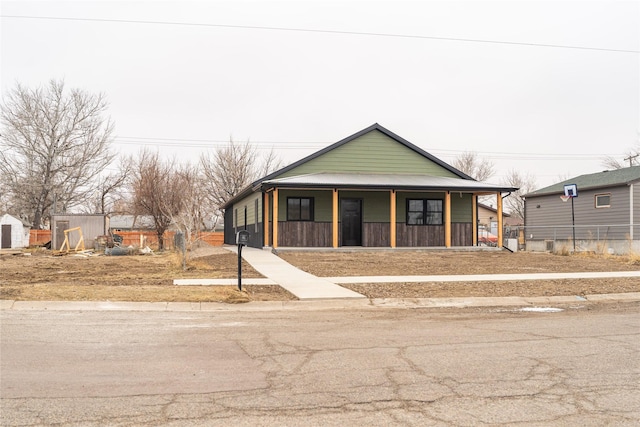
300 216
599 206
425 211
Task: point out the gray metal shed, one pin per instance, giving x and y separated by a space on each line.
92 225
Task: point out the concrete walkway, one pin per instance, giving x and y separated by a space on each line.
303 285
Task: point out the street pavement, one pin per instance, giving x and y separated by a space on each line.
328 367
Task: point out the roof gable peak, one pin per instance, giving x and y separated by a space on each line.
374 127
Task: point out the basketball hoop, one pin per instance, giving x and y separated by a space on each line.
564 198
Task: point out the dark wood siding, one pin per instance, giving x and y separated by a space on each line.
461 234
304 234
415 236
376 234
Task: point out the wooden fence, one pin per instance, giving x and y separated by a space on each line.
136 238
39 237
150 238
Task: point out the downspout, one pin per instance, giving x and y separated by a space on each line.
631 212
477 224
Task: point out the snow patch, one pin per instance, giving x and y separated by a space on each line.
542 309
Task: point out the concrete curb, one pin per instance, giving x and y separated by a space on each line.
326 304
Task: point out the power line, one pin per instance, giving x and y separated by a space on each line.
320 31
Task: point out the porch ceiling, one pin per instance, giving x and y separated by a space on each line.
383 181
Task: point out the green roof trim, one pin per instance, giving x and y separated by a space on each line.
611 178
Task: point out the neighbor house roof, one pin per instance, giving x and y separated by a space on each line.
603 179
492 209
127 222
381 181
8 215
463 182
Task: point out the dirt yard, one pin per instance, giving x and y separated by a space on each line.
41 276
386 263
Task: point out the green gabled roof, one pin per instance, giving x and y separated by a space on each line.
314 164
610 178
374 149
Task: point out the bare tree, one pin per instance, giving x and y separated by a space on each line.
108 194
231 168
194 208
632 157
53 145
525 183
471 164
156 191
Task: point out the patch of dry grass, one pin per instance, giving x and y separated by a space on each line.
42 277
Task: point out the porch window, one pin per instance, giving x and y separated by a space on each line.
603 200
299 208
424 212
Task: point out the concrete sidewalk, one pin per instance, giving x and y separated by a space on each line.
484 277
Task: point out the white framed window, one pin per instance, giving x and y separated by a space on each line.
603 200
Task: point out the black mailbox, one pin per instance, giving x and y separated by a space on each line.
242 237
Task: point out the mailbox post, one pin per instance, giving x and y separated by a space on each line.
242 239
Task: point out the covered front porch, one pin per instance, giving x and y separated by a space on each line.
311 214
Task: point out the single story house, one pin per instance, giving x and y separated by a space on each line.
371 189
488 217
605 213
91 226
14 234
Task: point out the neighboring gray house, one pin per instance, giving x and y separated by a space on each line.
607 214
14 234
92 225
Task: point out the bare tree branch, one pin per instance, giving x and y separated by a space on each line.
526 184
228 170
631 158
471 164
54 144
155 191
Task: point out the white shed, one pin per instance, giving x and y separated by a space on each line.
14 234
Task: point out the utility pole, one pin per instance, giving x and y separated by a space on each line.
631 158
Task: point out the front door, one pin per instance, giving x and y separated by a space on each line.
351 217
6 237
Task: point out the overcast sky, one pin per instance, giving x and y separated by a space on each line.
557 94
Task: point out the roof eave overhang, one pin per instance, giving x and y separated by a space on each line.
590 188
266 186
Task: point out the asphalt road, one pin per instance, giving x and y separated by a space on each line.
384 366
